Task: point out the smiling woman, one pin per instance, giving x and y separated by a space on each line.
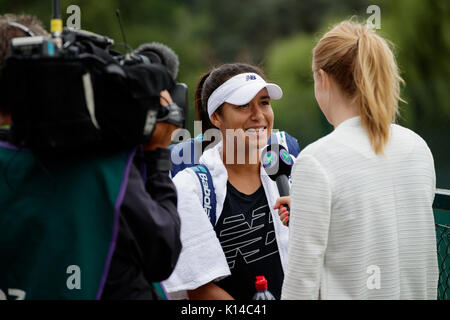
246 129
221 258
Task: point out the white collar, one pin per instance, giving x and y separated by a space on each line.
351 122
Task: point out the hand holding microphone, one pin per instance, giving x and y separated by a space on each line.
283 205
278 163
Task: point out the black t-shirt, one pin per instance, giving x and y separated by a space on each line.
247 235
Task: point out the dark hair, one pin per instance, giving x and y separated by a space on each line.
8 32
213 79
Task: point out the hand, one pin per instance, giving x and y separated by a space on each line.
162 135
209 291
282 204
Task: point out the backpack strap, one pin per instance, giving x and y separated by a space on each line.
280 138
193 150
287 141
294 147
209 202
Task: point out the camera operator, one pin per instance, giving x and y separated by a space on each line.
146 244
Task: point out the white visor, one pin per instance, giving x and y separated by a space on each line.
240 90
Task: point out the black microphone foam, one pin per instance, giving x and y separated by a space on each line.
166 56
276 161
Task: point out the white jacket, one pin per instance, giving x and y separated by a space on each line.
202 259
362 224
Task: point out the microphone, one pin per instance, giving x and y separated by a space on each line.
160 53
155 52
277 163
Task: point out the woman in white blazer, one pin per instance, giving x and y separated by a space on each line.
361 221
221 261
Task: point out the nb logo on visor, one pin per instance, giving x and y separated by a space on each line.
250 77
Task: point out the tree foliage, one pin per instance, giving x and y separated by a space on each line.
279 35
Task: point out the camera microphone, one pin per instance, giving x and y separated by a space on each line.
159 53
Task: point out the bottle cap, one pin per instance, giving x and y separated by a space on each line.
261 283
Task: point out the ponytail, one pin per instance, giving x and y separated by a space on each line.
201 113
377 83
365 68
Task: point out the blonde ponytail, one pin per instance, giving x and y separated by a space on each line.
364 66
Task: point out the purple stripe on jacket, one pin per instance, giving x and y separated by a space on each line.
118 204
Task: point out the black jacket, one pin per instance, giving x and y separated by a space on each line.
148 241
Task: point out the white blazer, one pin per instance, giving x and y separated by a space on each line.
202 259
362 224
